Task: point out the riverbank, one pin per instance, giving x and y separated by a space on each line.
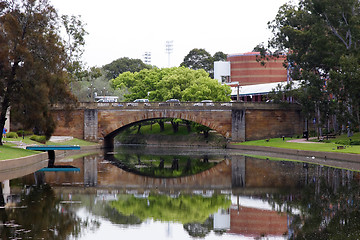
351 157
17 167
254 148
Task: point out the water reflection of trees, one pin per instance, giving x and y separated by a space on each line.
193 211
39 215
329 204
162 166
183 208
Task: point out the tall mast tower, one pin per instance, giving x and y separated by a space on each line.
147 58
169 50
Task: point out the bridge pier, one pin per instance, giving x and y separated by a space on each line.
90 171
238 125
238 171
90 124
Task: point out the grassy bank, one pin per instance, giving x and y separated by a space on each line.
151 134
313 145
10 152
10 149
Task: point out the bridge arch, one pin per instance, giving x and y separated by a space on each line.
109 129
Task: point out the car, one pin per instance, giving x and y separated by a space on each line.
173 100
229 104
204 103
137 101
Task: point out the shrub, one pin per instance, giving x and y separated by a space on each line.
37 138
26 133
343 142
12 135
355 142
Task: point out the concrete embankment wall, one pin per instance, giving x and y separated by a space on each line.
14 168
325 155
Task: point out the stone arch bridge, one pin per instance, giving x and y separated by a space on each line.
236 121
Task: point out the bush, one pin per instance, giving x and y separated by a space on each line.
12 135
37 138
26 133
348 142
355 142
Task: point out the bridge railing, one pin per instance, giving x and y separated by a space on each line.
174 105
153 104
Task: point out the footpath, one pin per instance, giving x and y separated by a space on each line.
14 168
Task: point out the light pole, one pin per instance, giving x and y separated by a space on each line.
169 50
147 58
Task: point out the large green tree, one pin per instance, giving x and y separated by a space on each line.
321 39
33 59
122 65
181 83
201 59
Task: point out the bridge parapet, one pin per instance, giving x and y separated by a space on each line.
181 105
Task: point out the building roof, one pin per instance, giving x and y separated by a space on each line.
260 89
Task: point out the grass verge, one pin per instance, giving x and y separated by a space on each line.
308 146
10 151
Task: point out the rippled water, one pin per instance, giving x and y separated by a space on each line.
155 193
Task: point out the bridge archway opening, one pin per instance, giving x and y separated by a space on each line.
175 124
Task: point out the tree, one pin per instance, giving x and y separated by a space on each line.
94 82
32 61
122 65
318 37
220 56
180 83
75 31
200 59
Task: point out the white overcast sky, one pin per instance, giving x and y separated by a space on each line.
129 28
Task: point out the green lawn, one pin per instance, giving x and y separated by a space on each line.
312 146
9 151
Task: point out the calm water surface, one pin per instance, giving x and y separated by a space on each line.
181 193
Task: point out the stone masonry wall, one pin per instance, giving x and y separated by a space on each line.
263 124
69 123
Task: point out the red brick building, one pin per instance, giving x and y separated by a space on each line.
246 70
249 79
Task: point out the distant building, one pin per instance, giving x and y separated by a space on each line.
222 71
248 78
247 70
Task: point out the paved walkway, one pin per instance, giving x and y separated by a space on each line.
303 140
20 144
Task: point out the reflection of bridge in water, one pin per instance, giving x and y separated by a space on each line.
236 172
248 179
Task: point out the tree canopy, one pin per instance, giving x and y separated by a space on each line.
321 40
122 65
178 82
33 59
200 59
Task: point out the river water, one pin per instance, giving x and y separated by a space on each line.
181 193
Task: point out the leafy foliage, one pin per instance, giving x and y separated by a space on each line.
123 65
321 39
162 84
33 59
183 209
200 59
